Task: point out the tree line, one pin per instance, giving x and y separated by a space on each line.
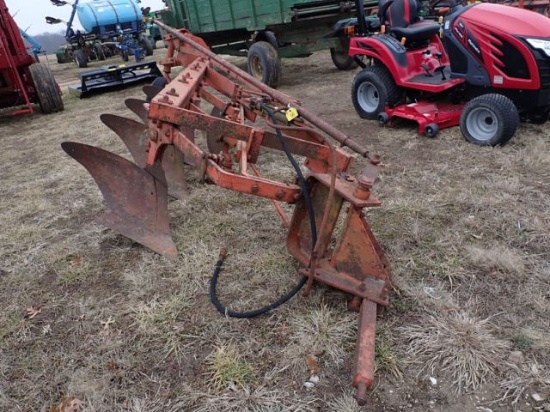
50 42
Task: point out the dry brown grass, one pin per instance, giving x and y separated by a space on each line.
497 258
528 376
122 329
456 345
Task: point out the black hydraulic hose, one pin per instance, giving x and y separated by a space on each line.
251 313
309 206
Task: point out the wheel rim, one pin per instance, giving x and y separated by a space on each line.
256 67
368 97
482 124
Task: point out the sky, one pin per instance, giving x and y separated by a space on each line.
32 14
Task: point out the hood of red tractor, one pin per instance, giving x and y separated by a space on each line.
512 20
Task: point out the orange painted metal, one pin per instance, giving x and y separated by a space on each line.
364 366
346 255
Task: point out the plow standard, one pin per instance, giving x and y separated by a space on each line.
247 118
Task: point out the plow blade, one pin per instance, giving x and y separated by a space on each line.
135 137
151 91
137 106
109 77
132 133
137 199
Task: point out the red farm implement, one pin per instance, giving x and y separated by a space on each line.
23 81
247 119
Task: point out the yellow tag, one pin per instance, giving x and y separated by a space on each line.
291 114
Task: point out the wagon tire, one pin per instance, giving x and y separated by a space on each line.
270 37
489 120
47 91
264 63
373 89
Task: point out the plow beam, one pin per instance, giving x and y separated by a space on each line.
217 121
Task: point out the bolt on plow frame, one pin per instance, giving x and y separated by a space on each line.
247 117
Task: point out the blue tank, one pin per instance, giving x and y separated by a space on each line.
100 16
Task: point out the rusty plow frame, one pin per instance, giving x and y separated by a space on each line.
247 116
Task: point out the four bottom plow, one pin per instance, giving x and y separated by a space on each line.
241 119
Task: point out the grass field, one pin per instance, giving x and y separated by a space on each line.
91 321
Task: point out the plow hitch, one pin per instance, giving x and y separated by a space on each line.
240 118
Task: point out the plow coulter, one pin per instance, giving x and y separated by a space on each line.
247 119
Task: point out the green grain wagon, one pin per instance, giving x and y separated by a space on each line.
265 30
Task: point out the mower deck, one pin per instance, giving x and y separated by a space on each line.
425 113
109 77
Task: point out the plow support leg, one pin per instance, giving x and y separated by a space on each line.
364 361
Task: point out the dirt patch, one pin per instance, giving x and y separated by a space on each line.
120 328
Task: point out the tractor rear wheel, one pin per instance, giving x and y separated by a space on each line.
489 120
49 97
264 63
372 90
80 58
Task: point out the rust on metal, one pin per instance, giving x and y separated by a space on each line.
137 199
364 362
233 111
138 106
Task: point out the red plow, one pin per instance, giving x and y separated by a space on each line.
247 118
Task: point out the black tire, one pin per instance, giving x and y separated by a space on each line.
264 63
372 90
80 58
431 130
47 91
147 46
341 58
99 51
64 58
489 120
383 118
269 37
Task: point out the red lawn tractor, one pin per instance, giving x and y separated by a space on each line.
23 81
484 68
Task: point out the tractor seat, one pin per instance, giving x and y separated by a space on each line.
401 19
416 32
